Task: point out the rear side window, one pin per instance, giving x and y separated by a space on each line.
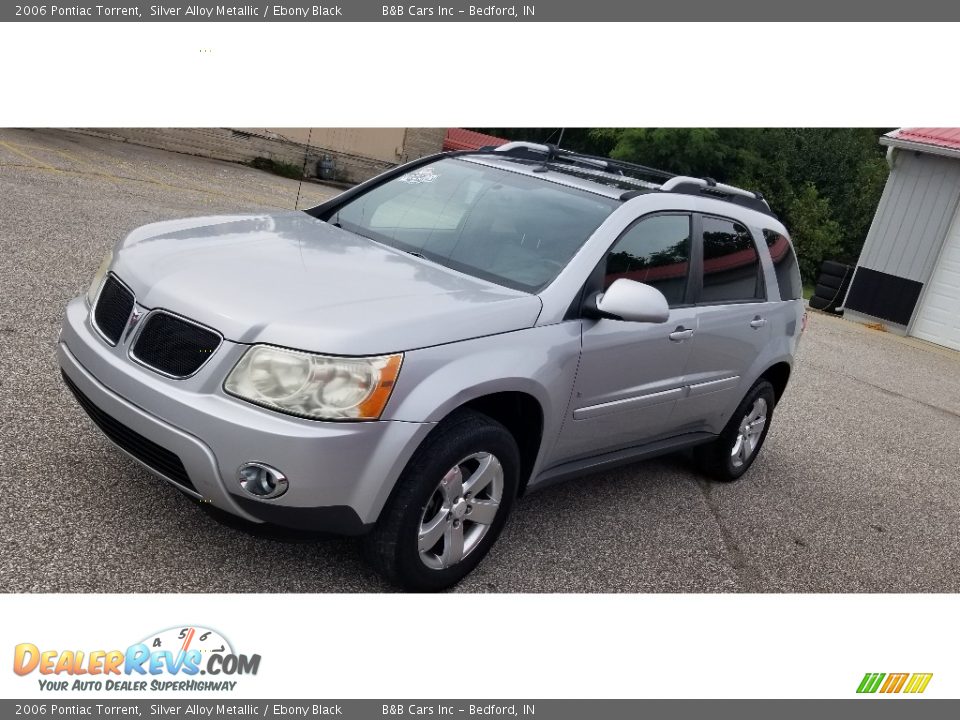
731 264
655 251
785 265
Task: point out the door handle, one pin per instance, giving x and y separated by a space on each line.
758 322
681 333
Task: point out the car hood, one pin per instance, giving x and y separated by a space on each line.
292 280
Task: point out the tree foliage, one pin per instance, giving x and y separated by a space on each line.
823 183
816 235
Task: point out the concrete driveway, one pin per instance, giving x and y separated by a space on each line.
857 488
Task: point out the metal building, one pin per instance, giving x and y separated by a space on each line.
908 274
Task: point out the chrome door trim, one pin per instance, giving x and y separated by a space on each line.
713 386
592 411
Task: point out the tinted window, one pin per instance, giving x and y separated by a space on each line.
731 264
512 229
785 263
655 251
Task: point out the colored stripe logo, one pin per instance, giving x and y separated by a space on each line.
913 683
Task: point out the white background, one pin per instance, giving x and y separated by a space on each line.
311 74
521 646
479 75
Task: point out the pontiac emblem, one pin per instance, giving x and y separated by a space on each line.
132 323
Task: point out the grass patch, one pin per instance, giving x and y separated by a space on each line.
287 170
808 292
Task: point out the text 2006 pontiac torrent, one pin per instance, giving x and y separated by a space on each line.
404 360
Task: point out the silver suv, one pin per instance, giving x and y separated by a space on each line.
404 360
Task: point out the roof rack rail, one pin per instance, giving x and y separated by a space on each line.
709 187
550 154
709 183
632 173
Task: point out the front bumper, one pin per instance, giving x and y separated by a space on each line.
340 474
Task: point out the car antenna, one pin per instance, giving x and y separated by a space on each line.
303 170
547 158
551 152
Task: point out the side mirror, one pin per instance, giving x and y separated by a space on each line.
632 301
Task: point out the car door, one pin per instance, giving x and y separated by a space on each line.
631 373
732 323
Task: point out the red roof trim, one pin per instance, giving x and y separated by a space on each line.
460 139
938 137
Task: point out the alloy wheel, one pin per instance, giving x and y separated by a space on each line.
460 511
749 434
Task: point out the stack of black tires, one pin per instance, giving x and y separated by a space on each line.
832 286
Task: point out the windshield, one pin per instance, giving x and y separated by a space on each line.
505 227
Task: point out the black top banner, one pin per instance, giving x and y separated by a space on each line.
455 11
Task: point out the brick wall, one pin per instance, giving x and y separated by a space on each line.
418 142
243 146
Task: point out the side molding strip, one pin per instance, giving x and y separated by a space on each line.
714 385
592 411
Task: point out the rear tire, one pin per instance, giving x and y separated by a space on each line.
733 452
449 505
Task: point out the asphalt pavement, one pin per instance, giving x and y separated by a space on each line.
856 490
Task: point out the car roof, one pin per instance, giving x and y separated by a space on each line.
534 169
608 177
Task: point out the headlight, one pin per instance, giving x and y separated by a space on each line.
98 278
315 386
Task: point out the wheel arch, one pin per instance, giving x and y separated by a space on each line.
522 415
777 375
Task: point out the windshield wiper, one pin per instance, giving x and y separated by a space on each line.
415 253
353 232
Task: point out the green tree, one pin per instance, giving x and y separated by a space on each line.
816 235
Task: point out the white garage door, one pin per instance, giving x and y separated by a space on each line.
938 319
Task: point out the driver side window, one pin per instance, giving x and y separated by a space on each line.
655 251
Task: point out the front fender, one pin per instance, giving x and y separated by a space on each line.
540 361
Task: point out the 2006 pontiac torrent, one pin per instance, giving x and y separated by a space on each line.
404 360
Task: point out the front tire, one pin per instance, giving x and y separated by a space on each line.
449 506
733 452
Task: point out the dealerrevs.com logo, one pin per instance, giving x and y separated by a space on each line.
892 683
189 658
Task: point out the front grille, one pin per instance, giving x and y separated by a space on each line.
174 346
146 451
114 305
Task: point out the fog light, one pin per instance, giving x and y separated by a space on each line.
262 481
